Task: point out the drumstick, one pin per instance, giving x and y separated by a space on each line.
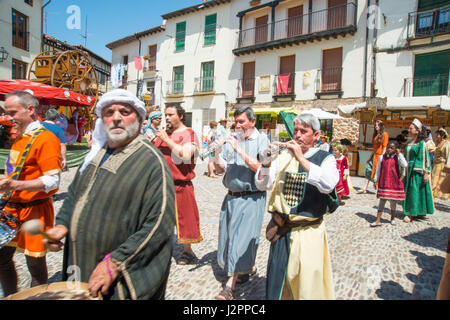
35 227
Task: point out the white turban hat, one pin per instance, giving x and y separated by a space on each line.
99 137
120 96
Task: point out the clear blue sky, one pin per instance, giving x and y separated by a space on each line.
108 20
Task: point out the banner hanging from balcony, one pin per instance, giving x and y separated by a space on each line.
283 83
138 63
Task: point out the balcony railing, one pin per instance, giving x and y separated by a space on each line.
329 80
246 88
283 89
319 21
428 23
22 42
150 64
426 86
204 84
175 87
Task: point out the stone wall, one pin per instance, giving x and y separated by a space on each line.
347 128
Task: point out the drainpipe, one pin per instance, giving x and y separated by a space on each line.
374 59
42 24
365 52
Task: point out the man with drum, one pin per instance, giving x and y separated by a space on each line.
119 215
302 180
33 173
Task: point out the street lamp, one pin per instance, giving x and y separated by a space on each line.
3 54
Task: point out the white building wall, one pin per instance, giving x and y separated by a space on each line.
34 29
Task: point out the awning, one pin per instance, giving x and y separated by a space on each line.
405 103
47 95
272 111
322 115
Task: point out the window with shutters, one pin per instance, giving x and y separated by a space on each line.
178 80
431 74
207 79
180 37
19 69
151 62
19 30
210 29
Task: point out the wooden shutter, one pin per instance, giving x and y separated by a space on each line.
210 29
248 79
19 30
152 51
337 14
261 29
431 72
295 21
332 69
207 76
180 36
178 79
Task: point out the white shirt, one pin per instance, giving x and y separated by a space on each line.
50 182
324 177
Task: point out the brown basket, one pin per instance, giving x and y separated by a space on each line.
53 287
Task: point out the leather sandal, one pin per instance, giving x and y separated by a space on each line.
226 294
186 258
243 278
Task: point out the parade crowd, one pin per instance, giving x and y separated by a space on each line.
116 225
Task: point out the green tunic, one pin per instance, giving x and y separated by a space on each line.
125 207
419 199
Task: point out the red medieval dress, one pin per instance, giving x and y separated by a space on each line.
187 218
342 186
389 184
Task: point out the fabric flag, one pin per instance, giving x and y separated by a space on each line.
116 75
283 83
138 63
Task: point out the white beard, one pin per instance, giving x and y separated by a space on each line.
119 136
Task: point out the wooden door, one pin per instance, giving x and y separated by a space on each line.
248 79
295 21
287 66
261 29
337 14
332 69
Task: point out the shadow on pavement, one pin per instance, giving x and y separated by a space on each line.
426 283
430 237
442 207
373 217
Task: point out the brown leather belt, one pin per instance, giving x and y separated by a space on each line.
244 193
22 205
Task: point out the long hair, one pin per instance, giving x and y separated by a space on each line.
422 136
379 133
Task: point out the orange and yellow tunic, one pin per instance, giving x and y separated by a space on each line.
44 159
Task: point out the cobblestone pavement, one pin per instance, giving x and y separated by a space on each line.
389 262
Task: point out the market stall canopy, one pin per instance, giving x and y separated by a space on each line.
404 103
47 95
272 111
321 114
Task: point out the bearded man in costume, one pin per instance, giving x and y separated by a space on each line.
302 181
119 214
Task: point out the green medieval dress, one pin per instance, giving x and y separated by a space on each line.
419 199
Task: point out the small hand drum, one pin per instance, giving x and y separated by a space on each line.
9 226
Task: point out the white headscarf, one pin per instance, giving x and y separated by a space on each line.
99 137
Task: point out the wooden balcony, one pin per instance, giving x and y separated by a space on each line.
329 82
318 25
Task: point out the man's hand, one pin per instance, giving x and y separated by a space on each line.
296 149
273 150
5 184
100 279
63 164
426 177
162 134
58 233
233 143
